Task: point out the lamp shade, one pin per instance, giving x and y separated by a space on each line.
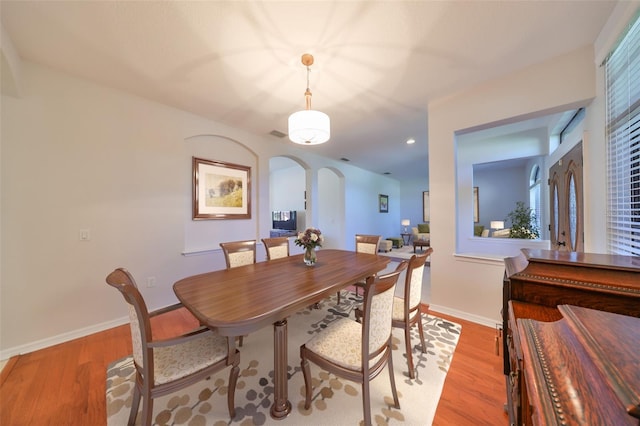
309 127
405 222
497 224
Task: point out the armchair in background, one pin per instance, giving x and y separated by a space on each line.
421 232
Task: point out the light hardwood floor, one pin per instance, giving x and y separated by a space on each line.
65 384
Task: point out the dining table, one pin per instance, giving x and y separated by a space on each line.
237 301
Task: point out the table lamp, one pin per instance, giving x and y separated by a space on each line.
405 223
497 224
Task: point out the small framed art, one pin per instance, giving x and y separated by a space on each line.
383 203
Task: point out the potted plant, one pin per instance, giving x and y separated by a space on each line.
523 223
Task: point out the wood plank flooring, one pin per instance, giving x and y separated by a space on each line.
64 384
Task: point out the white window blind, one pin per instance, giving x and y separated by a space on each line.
622 73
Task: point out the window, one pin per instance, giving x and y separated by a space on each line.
622 74
534 194
572 124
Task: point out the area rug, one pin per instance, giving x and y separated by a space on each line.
335 401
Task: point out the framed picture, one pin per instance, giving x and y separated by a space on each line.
476 209
221 190
383 203
425 206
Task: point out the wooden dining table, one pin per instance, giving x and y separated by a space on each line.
238 301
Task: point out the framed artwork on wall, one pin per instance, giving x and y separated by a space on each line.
221 190
425 206
476 208
383 203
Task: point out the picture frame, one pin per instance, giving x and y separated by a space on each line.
221 190
476 207
425 207
383 203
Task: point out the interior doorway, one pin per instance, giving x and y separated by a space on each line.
567 207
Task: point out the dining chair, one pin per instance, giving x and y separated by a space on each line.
276 247
365 244
406 309
357 351
239 253
167 365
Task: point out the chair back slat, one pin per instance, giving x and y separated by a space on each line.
240 258
380 319
413 284
367 243
239 253
378 310
276 247
136 336
139 322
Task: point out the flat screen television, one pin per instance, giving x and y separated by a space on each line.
284 219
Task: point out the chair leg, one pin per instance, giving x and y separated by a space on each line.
392 379
231 391
424 346
407 341
338 298
135 404
147 409
306 373
366 401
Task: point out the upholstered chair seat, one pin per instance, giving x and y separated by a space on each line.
342 346
174 362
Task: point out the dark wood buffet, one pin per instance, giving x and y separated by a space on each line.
571 323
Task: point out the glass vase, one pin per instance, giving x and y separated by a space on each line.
310 256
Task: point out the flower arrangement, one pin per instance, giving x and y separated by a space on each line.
310 238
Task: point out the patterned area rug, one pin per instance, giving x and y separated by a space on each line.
335 401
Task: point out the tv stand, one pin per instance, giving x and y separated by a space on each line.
282 233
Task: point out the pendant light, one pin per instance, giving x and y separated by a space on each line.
309 127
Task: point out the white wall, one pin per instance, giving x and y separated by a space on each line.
287 188
331 208
468 285
498 191
76 155
411 195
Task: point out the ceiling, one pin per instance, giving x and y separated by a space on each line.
377 64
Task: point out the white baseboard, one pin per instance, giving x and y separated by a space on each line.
61 338
489 322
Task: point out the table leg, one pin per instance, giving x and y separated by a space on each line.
281 406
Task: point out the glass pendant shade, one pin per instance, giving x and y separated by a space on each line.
309 127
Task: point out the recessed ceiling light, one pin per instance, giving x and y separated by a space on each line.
411 141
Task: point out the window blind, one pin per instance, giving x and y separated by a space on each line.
622 74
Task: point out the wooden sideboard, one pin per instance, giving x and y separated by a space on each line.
562 365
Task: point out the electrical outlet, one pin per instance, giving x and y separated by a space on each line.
151 281
84 235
